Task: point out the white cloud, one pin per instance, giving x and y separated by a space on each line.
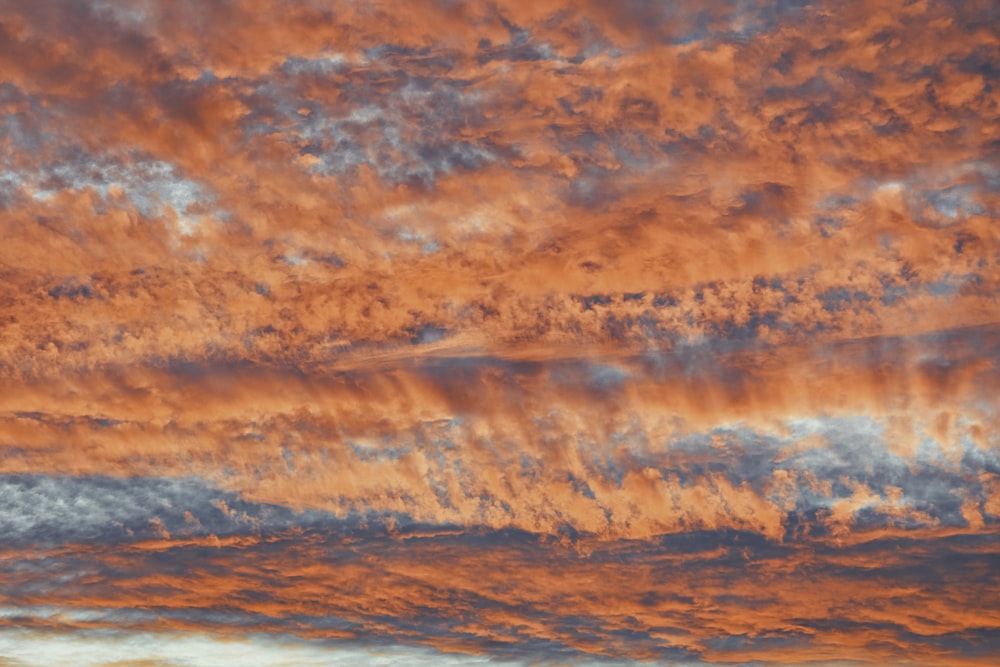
108 649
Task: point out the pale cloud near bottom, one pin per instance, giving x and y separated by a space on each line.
20 648
117 648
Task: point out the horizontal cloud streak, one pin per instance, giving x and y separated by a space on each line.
41 509
103 649
702 596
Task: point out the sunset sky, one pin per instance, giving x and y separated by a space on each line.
520 332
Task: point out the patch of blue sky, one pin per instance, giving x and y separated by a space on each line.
856 449
429 334
943 194
129 14
740 21
400 132
153 186
852 448
56 509
949 285
326 64
837 202
10 185
607 376
892 294
427 245
384 449
338 143
956 201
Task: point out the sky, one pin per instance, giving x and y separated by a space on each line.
499 333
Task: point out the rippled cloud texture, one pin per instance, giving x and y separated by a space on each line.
512 332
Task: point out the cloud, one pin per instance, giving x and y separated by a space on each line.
165 650
702 597
514 291
698 437
41 509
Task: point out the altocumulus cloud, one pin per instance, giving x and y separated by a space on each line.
499 332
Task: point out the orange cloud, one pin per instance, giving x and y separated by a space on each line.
531 292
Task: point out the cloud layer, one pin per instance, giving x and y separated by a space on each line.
527 331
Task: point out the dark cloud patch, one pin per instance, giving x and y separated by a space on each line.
519 48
